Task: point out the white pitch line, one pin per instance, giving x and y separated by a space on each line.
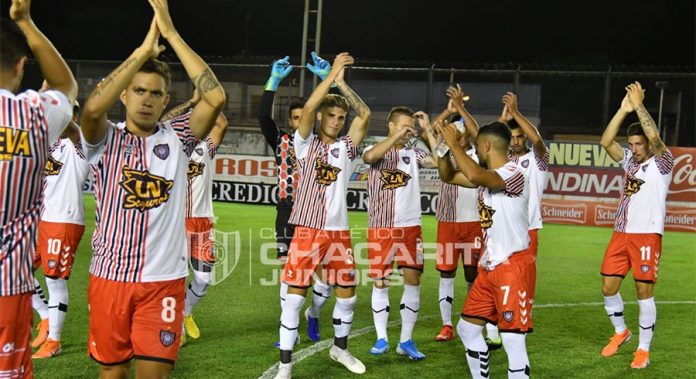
325 344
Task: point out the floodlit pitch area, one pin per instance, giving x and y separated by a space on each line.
238 318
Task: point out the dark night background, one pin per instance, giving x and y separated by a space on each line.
631 37
452 32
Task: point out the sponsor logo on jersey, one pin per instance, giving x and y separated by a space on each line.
392 179
632 185
195 169
486 214
508 315
52 166
326 174
144 190
13 142
167 338
161 151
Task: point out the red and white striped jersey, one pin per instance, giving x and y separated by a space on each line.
456 203
199 194
324 171
29 124
140 191
644 194
65 173
504 217
536 168
393 190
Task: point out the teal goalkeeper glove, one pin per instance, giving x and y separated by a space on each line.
281 68
320 68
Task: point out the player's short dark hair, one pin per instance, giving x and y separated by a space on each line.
13 44
399 111
512 124
635 129
498 130
154 66
297 104
332 100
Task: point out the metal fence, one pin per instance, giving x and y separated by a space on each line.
564 104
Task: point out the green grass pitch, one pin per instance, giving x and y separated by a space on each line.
239 316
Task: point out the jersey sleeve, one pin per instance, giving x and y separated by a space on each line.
56 108
514 179
301 145
628 155
92 152
182 126
542 162
351 148
421 155
212 147
666 163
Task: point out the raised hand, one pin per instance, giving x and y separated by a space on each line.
164 19
505 116
150 46
281 68
340 62
627 105
635 94
450 134
320 68
19 11
510 101
457 97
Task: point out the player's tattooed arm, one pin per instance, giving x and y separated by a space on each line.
182 108
650 130
213 97
358 127
636 94
52 65
93 119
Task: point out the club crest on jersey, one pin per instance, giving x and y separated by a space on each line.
51 264
199 151
195 169
525 163
167 338
632 185
162 151
334 152
392 179
406 160
486 215
508 315
13 142
53 166
644 268
144 190
326 173
644 168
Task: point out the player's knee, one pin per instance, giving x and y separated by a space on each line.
381 283
467 330
346 304
644 290
514 343
57 290
448 274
